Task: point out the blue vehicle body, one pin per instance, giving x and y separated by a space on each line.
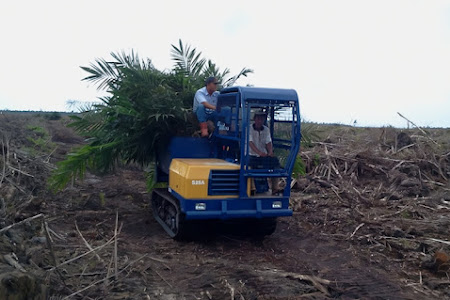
230 142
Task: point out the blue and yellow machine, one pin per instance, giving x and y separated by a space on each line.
213 179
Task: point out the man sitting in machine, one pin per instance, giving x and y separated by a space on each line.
261 153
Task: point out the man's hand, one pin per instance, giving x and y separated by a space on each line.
208 105
262 154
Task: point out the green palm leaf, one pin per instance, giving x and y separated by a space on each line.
231 81
187 60
144 108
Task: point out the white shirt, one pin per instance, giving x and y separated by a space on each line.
260 139
202 96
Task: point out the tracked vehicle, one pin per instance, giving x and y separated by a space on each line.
213 178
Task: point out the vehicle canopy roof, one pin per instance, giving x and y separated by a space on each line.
257 93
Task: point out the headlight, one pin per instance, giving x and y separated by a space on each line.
276 204
200 206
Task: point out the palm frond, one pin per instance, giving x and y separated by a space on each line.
102 73
231 81
123 59
100 157
144 108
187 60
309 134
211 69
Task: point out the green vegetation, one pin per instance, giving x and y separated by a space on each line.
299 167
316 159
102 199
151 179
38 130
309 134
40 140
144 108
406 214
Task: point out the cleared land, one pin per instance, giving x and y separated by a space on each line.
371 220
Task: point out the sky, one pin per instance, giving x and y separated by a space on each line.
348 60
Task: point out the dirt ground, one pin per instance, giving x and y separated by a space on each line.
371 221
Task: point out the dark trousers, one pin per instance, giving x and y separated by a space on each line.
267 163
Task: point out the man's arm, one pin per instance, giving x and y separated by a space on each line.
269 148
201 99
269 145
254 148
